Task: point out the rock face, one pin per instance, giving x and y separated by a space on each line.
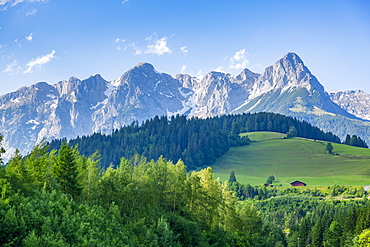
82 107
356 102
288 87
74 107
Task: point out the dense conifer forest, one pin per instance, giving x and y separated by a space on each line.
198 142
60 196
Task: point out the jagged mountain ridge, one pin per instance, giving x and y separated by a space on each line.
74 107
356 102
81 107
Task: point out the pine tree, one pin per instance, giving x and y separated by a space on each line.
65 170
347 140
232 178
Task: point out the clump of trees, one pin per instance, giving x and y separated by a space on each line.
355 141
270 179
292 132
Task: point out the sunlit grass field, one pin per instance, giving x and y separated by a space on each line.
294 159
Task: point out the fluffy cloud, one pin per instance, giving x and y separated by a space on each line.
184 49
37 63
12 68
154 45
239 60
158 46
124 1
29 37
220 69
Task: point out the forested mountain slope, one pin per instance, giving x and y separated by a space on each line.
198 142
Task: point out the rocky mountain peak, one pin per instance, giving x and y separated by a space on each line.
287 73
246 74
186 80
144 66
292 58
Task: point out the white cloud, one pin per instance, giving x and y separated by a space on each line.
37 63
9 3
158 46
239 60
124 1
31 12
29 37
219 69
117 40
12 68
17 43
154 46
5 4
137 50
183 68
184 49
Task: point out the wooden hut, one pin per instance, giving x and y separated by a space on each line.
297 183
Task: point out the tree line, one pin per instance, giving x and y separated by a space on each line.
355 141
198 142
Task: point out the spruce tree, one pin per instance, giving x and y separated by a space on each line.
232 178
66 170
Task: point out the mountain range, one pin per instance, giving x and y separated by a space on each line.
81 107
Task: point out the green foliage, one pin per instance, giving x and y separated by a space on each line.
355 141
270 179
363 239
232 178
292 132
198 142
295 159
68 201
65 170
329 148
62 198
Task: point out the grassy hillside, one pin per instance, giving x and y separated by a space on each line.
294 159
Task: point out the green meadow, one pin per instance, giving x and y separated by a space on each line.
294 159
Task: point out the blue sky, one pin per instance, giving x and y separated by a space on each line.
52 40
